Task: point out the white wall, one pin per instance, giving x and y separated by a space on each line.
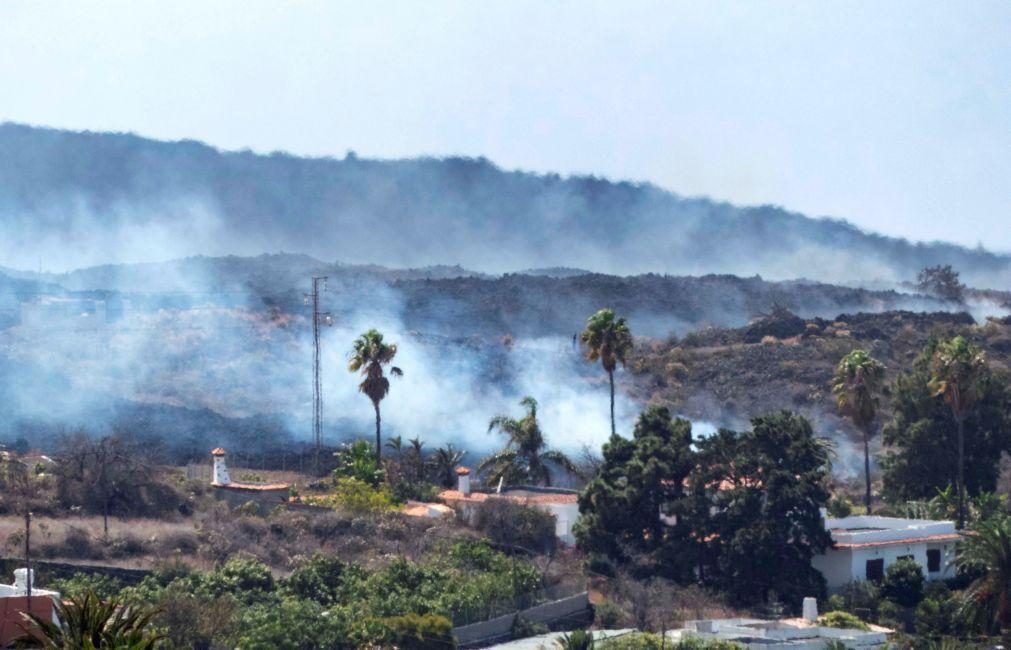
840 566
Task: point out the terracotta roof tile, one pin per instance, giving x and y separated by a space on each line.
944 537
478 497
255 487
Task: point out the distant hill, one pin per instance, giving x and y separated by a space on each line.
91 198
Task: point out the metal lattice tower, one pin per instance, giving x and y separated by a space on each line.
318 318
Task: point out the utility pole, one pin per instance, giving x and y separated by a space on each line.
28 558
318 318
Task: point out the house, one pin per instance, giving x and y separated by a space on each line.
866 545
14 601
237 493
562 504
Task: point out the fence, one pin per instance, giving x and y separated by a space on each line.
497 608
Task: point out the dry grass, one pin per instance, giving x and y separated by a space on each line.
132 543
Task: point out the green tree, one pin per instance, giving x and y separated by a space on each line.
987 550
525 458
607 339
85 621
633 510
356 460
369 354
765 488
956 368
903 583
856 386
922 433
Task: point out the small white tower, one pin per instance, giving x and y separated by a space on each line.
463 481
220 469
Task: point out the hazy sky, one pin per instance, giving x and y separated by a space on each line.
894 115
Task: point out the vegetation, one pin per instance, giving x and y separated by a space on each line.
369 354
925 435
988 551
741 510
525 458
842 620
956 370
607 339
85 621
941 281
856 385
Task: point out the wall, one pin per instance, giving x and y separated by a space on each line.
572 609
266 500
840 566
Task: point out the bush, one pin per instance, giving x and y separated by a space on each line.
524 627
938 613
861 598
77 585
420 632
317 578
840 506
903 583
608 615
354 495
512 524
358 461
576 640
843 620
891 614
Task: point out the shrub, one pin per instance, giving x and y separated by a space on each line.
576 640
512 524
938 613
891 614
903 583
355 495
420 632
243 577
843 620
358 461
79 584
524 627
608 615
317 578
840 506
861 598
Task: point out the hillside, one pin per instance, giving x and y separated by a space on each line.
82 199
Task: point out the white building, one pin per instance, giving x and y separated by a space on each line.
865 546
562 504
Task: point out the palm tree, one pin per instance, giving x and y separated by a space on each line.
525 458
856 386
608 339
368 355
988 549
443 463
956 368
85 621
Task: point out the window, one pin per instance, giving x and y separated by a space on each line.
876 569
933 560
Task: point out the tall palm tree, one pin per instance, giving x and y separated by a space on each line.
88 622
988 549
956 368
369 354
608 339
856 386
525 458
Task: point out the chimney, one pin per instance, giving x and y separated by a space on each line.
463 481
21 579
811 609
220 469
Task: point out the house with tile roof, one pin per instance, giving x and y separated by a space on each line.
865 546
562 504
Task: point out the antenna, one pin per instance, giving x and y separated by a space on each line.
318 317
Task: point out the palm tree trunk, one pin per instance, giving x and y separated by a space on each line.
867 469
961 473
379 441
610 376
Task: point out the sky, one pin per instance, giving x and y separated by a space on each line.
893 115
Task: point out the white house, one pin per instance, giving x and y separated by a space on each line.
866 545
563 504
